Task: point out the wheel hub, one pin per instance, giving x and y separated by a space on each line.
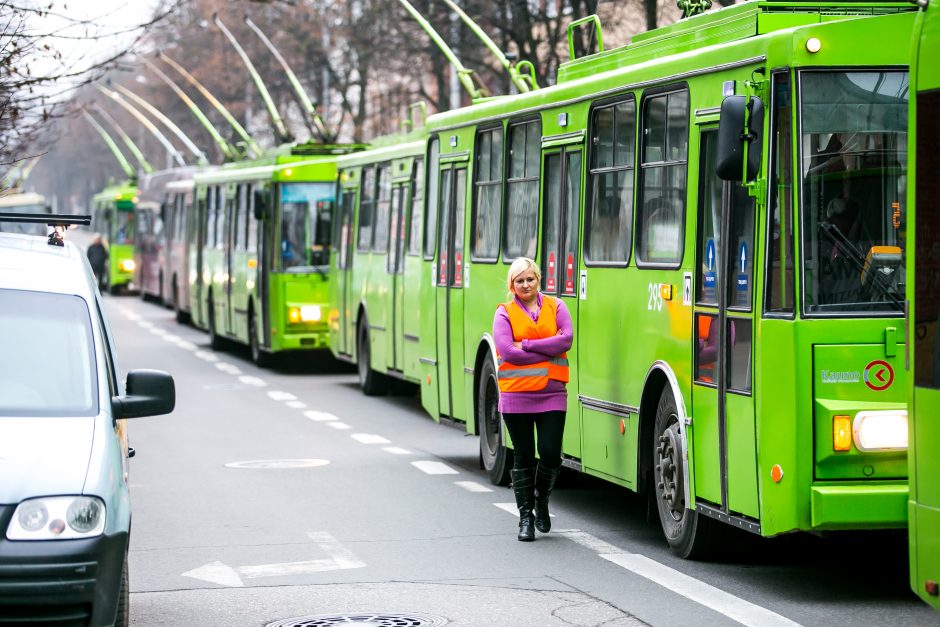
670 469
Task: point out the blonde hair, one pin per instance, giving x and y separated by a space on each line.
520 265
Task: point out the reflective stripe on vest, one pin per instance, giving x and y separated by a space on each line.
534 377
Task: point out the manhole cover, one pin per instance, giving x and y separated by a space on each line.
279 463
371 620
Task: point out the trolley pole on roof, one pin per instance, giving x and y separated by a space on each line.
152 110
250 143
463 74
144 164
523 82
314 122
118 155
143 120
229 152
283 135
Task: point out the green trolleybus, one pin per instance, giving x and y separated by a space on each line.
922 281
259 251
738 347
113 218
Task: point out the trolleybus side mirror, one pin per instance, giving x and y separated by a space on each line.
261 204
741 122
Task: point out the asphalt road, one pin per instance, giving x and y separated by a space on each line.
283 493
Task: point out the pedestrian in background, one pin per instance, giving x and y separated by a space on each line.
97 258
532 332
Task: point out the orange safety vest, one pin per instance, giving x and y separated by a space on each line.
533 377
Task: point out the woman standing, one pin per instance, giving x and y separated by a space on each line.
532 332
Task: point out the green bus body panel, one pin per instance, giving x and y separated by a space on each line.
924 425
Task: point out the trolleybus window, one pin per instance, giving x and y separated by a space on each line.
854 165
366 209
306 214
383 203
522 191
417 204
124 227
610 217
661 206
33 326
430 209
241 219
779 282
252 222
927 256
487 196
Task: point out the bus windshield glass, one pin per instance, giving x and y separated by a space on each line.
124 226
853 165
306 216
24 227
48 365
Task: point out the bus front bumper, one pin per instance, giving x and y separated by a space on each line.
292 341
850 505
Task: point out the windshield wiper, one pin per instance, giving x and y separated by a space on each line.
850 253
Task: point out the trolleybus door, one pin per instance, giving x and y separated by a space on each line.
723 429
450 281
231 235
344 264
394 266
411 277
561 207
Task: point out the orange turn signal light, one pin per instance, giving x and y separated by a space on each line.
665 291
841 433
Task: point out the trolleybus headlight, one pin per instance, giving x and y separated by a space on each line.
57 518
127 265
310 313
880 430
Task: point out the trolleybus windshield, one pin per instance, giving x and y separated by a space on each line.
854 165
124 226
306 218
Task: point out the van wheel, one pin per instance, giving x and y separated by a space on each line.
496 459
122 616
372 383
690 535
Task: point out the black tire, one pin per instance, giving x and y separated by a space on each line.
123 613
690 535
372 383
261 358
181 316
216 343
495 457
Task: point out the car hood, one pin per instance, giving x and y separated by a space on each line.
43 456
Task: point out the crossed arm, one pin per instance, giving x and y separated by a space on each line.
529 352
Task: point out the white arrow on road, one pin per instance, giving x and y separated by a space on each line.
340 558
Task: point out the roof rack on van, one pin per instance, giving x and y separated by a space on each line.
55 220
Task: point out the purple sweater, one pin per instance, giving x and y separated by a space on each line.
554 397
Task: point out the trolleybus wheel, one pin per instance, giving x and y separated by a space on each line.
372 383
261 358
690 535
179 313
215 341
495 457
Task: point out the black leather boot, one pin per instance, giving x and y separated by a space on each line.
523 485
544 483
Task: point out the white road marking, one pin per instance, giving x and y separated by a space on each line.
145 324
187 345
173 339
336 424
228 368
296 404
205 356
473 486
702 593
319 416
396 450
340 558
369 438
434 468
249 380
278 395
157 331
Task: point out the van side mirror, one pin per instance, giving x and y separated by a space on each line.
261 204
148 393
734 133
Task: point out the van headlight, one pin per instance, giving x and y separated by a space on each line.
880 430
57 518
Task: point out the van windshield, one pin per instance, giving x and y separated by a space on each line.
47 366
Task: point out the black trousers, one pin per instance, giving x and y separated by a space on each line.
549 426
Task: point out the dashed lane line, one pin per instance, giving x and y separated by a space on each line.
396 450
693 589
279 395
250 380
369 438
473 486
320 416
296 404
336 424
434 468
